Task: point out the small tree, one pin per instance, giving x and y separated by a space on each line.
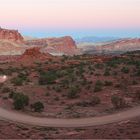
37 106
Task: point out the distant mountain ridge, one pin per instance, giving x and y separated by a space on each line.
119 46
94 39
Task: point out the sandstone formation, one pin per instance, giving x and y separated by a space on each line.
11 35
34 54
56 46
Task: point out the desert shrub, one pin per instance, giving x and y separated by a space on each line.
117 85
115 73
72 78
23 76
95 100
138 72
98 86
64 58
125 70
91 73
137 95
83 103
64 83
134 82
111 64
37 106
57 89
11 94
80 70
6 90
118 102
20 100
84 82
17 81
73 92
47 94
47 77
99 66
88 87
108 83
107 72
20 79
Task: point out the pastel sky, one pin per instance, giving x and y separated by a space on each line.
72 17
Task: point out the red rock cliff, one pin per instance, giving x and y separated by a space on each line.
64 45
12 35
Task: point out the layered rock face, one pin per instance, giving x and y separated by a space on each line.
56 46
11 35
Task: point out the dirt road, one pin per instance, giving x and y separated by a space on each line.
82 122
17 117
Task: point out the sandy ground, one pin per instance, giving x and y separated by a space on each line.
128 129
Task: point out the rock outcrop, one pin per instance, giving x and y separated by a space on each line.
11 35
34 54
56 46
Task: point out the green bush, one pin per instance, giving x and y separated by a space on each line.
17 81
98 86
37 106
95 100
99 66
138 72
118 102
48 77
73 92
107 72
20 79
20 100
137 95
134 82
108 83
125 70
6 90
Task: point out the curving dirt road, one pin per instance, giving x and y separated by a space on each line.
82 122
49 122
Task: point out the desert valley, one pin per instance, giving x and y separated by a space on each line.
86 90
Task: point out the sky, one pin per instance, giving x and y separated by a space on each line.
78 18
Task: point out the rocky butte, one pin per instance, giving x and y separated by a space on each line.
11 35
56 46
32 55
